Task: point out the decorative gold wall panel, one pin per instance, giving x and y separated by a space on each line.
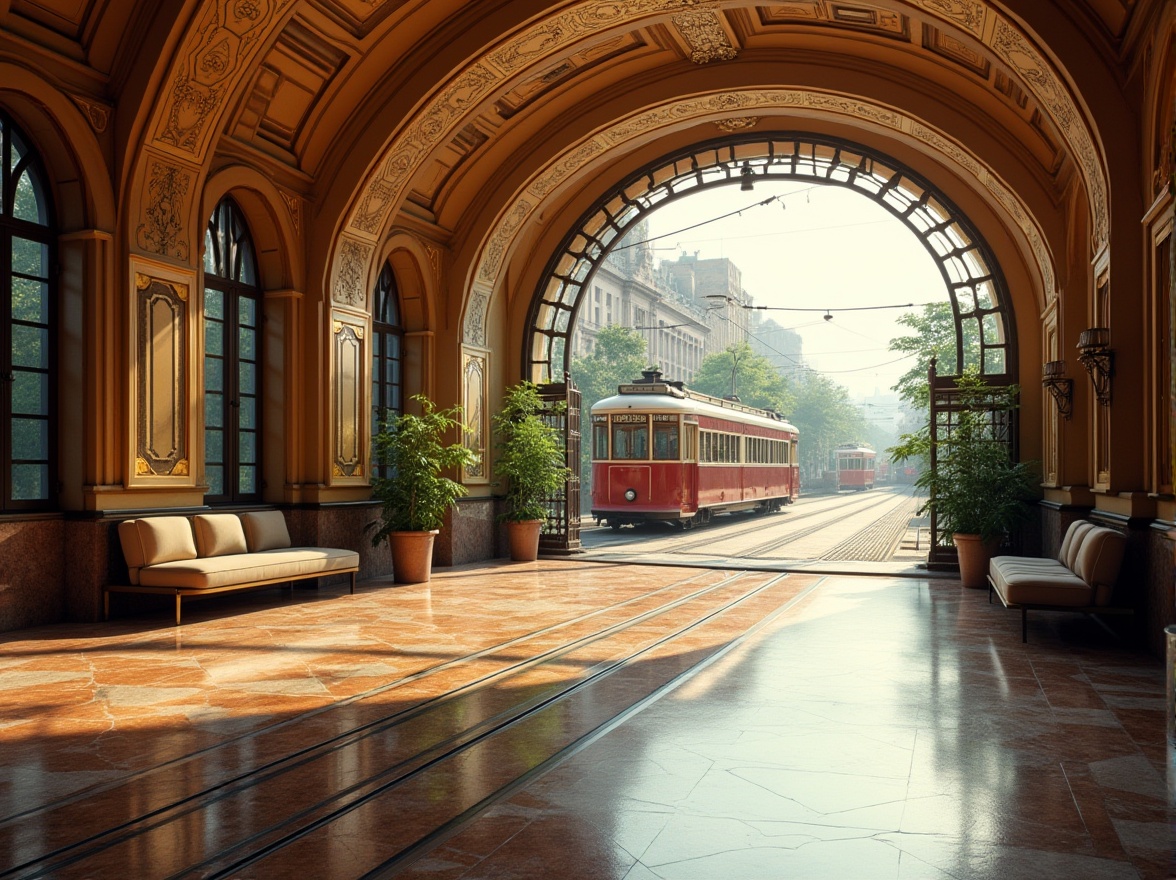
349 431
475 365
162 376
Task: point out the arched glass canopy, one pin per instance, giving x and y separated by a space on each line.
972 278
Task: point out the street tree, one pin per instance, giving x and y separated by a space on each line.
739 371
933 335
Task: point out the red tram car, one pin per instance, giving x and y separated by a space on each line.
855 467
663 452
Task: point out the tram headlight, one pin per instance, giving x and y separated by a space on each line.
630 494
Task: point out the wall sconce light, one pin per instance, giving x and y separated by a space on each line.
1053 377
1098 360
746 178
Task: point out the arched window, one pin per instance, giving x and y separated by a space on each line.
387 338
232 360
27 319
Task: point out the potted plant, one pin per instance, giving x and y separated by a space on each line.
531 462
416 494
976 491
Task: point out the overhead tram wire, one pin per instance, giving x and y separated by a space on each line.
804 366
734 213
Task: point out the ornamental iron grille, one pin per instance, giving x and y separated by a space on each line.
999 424
976 288
561 531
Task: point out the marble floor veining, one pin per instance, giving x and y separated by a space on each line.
577 719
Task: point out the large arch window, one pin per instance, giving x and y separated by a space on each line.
387 354
232 360
971 276
27 320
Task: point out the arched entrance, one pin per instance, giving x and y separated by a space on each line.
971 275
985 338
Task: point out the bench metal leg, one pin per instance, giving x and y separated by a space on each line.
352 583
1025 625
177 607
106 605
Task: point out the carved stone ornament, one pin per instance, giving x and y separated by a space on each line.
474 330
968 14
294 205
163 230
216 51
703 32
98 115
353 265
737 123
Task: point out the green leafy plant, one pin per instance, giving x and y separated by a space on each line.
416 494
530 454
975 488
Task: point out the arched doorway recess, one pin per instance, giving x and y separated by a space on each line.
972 277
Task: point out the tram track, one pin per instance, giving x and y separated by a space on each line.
771 547
726 531
731 533
523 685
877 541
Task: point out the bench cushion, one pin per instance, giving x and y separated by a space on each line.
1074 536
1098 561
1038 582
244 568
218 534
155 540
1076 527
265 530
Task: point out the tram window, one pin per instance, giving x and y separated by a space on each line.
600 442
665 441
690 444
630 442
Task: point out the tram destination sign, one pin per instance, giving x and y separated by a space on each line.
652 388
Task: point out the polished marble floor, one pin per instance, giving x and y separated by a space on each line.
577 719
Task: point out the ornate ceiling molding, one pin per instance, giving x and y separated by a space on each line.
719 105
384 188
702 29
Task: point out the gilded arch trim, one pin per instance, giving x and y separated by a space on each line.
500 241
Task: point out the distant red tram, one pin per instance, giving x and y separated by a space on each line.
855 467
663 452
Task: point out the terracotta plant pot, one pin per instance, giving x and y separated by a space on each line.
524 539
412 556
974 556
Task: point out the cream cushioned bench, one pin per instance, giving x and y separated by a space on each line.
217 552
1082 578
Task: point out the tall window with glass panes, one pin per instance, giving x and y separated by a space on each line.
27 319
387 343
232 360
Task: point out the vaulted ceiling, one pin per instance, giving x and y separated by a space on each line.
427 108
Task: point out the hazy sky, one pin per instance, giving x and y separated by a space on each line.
815 247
